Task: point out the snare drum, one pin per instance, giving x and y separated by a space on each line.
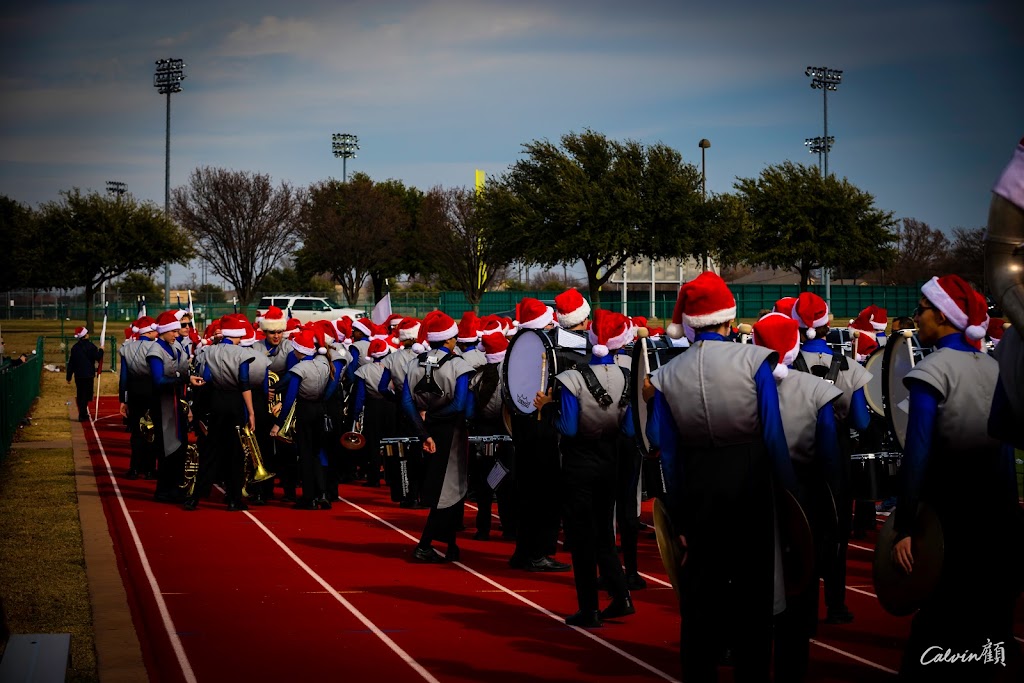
647 355
397 446
533 359
487 445
874 476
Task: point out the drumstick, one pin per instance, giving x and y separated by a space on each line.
543 376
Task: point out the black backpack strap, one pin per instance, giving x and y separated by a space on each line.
624 399
594 387
839 364
800 364
488 383
430 363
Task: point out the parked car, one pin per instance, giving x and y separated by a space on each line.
309 308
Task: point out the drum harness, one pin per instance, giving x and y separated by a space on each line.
839 363
599 393
430 363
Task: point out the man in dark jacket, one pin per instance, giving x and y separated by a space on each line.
82 365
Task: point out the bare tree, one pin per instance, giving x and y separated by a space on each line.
921 252
349 229
243 224
967 256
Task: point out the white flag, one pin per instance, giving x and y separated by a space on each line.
382 310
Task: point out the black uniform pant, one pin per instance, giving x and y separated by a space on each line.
442 523
627 513
834 565
83 395
170 470
537 484
309 416
221 456
588 484
143 458
480 467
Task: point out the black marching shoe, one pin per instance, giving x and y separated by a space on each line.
257 499
412 505
635 582
191 503
546 564
426 556
584 619
131 474
841 615
305 505
452 554
619 607
322 504
482 535
151 474
237 506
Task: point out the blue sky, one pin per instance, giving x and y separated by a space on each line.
928 112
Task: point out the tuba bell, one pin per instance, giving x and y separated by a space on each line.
146 427
355 440
255 472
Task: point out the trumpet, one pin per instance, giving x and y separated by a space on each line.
287 431
146 427
274 402
355 440
191 469
254 470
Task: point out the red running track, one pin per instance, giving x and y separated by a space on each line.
278 594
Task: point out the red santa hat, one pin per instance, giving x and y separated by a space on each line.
491 324
879 317
469 330
704 301
306 343
394 343
364 325
1010 185
534 314
377 349
494 347
213 329
273 320
509 325
230 326
393 320
292 327
784 305
571 307
439 327
249 338
996 327
863 330
167 322
408 329
965 309
610 331
143 325
639 321
344 327
811 312
325 330
781 334
81 332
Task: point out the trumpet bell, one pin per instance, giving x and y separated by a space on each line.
352 441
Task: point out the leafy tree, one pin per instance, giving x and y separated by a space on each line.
135 284
241 222
459 242
404 251
350 228
921 252
21 265
802 221
209 292
967 256
103 238
594 200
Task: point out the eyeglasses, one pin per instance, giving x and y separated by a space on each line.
921 309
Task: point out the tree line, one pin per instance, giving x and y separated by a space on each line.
585 199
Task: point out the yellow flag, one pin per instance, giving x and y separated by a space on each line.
480 178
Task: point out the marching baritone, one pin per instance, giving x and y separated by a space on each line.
168 369
226 383
949 455
305 385
437 387
715 416
592 410
135 391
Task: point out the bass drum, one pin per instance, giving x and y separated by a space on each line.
533 359
873 389
647 356
897 361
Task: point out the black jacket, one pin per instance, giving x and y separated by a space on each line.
83 359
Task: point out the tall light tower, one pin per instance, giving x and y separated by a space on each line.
115 188
825 79
703 144
817 146
344 145
167 80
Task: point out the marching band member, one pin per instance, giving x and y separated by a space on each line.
863 331
304 386
395 365
135 390
226 382
808 420
812 314
168 369
282 458
363 330
715 416
592 410
82 366
379 415
437 387
334 405
259 385
537 470
949 454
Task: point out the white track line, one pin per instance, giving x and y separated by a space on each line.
852 656
165 615
639 662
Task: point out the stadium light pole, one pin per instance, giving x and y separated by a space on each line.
825 79
344 145
703 144
167 80
115 188
817 146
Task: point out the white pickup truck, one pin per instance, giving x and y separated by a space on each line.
308 308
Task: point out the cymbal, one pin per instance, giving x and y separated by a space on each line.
900 593
669 547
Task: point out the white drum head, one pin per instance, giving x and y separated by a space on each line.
526 370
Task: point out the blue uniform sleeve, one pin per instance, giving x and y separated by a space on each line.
924 406
353 364
661 430
360 396
156 370
826 441
859 415
628 429
335 382
291 394
410 410
122 382
771 426
461 398
384 386
568 420
243 375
